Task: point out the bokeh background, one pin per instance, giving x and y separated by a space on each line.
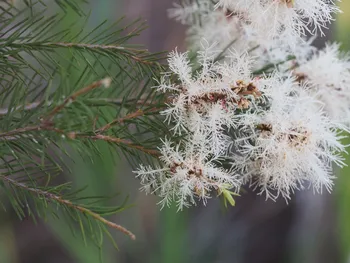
311 229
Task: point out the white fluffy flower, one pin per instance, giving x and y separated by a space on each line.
231 29
218 27
327 75
281 57
207 100
215 25
188 11
189 172
288 145
290 18
269 106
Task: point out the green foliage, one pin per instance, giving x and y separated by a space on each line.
60 92
343 27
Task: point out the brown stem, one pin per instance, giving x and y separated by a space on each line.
36 104
11 135
103 82
94 46
20 130
121 141
120 120
106 47
27 107
132 115
50 196
43 127
47 124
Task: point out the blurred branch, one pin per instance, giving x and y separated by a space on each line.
12 135
125 50
47 124
59 199
131 53
30 106
120 141
92 102
104 82
52 105
132 115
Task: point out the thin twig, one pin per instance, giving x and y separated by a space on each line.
130 116
120 120
127 51
41 127
93 46
12 135
50 197
46 123
103 82
36 104
30 106
124 50
20 130
116 140
122 102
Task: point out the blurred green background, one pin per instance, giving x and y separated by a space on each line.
310 229
342 34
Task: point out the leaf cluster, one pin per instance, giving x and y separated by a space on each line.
60 92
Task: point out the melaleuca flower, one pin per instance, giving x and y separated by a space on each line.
214 25
275 131
282 57
327 76
189 172
207 100
290 18
188 11
231 29
222 28
288 145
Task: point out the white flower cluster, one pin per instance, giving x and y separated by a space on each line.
206 103
189 171
290 18
281 148
202 107
254 22
261 105
327 74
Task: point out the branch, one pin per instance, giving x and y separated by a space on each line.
124 50
95 46
53 197
11 135
47 124
41 127
92 102
132 115
104 82
130 144
27 107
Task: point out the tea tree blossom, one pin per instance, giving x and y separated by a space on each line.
291 18
230 29
189 173
188 11
258 103
206 101
202 106
290 146
214 25
327 76
251 23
